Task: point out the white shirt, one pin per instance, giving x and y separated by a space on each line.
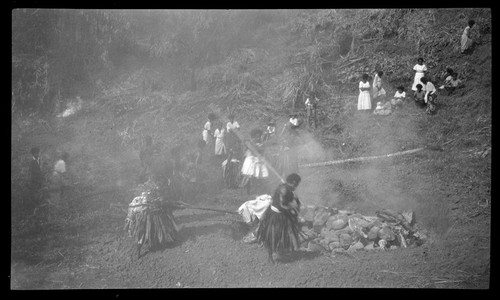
294 121
60 166
400 95
233 125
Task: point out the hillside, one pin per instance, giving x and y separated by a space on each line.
447 185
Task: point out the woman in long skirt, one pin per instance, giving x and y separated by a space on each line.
279 229
466 41
420 68
150 220
364 101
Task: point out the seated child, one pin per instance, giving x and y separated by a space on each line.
383 109
399 97
419 96
452 84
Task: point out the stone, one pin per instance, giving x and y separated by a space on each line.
356 246
345 240
315 247
393 247
321 218
309 214
324 231
337 222
336 251
335 245
409 216
386 234
373 233
332 236
324 243
370 246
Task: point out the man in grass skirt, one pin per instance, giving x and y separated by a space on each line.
279 229
150 220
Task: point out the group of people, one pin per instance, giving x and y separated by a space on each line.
373 97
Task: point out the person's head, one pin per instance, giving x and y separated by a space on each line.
471 23
231 118
255 133
455 76
450 71
424 80
419 87
271 124
364 77
35 151
380 74
401 89
420 61
293 180
211 117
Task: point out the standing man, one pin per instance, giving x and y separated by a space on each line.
311 107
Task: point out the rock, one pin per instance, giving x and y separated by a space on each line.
335 245
345 240
356 246
394 247
337 250
332 236
315 247
324 231
382 244
370 246
309 214
321 218
373 233
337 222
409 216
386 234
324 243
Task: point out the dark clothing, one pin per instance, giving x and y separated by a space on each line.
280 231
36 176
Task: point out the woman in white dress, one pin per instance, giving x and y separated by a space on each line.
466 41
420 69
364 101
220 147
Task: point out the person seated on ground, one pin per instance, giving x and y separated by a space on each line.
430 95
419 96
399 97
383 109
453 84
279 228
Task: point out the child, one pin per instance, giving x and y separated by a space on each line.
270 131
220 147
364 101
453 84
399 97
207 129
419 96
430 95
420 70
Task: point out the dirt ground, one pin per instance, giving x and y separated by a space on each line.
87 248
